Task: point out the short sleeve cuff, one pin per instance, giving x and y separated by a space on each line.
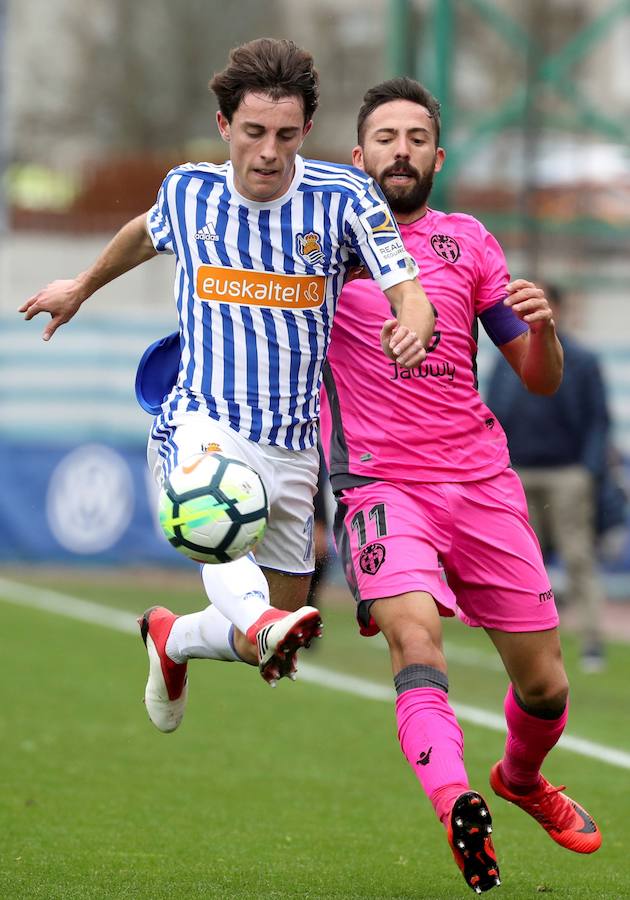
160 237
409 273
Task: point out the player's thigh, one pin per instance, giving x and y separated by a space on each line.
495 565
388 537
287 591
533 660
289 477
288 546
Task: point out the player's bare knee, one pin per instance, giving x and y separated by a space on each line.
413 644
544 696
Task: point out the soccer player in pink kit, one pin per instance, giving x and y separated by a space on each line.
422 476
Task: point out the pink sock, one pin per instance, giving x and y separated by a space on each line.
529 740
432 741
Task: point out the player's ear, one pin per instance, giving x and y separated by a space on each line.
306 130
357 157
440 156
224 127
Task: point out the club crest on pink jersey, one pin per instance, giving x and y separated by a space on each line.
372 558
446 247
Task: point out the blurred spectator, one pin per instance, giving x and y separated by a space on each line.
611 521
559 446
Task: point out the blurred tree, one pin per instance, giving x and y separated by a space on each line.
155 62
126 75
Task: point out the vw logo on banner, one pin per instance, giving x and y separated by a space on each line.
90 499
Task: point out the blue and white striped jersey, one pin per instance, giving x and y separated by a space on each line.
256 286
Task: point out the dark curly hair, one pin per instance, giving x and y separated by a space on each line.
276 67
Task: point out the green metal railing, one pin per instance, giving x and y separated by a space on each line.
427 49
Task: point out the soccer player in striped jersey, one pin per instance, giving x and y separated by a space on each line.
263 244
425 490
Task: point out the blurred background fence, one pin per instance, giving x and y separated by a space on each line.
99 99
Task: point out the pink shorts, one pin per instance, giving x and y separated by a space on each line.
468 544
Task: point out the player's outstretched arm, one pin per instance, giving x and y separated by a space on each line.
535 356
404 338
62 299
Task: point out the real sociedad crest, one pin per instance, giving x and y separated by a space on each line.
309 246
446 247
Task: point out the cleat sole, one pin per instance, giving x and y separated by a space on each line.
283 660
469 837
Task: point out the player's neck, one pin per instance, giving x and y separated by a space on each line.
411 217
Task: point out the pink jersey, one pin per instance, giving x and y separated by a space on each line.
381 421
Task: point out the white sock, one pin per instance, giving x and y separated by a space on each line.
238 589
201 635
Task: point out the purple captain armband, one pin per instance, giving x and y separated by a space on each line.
501 323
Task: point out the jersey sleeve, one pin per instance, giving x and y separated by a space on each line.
373 235
159 221
493 274
500 323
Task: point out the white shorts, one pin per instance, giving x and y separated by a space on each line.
289 476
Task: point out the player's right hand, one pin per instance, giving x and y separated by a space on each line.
61 299
402 345
529 303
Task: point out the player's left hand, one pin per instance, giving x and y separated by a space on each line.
402 345
529 303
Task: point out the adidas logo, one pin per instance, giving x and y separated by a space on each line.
261 640
207 233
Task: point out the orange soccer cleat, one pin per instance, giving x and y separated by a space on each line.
564 820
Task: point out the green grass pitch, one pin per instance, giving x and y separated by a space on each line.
301 792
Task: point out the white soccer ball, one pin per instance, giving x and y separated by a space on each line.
213 509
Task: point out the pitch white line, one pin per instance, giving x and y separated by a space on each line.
65 605
119 620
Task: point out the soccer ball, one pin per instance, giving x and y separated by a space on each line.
213 509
